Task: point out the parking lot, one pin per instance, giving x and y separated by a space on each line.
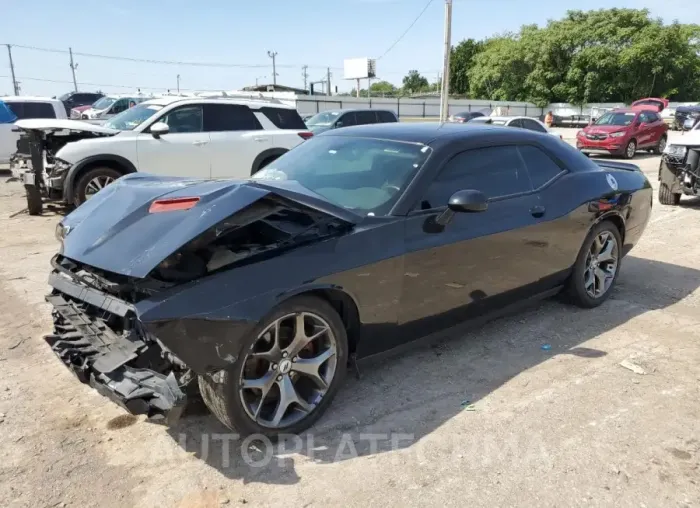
554 406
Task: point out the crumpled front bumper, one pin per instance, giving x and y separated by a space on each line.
112 363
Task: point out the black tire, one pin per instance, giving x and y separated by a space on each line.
576 290
666 197
223 399
625 154
79 196
35 205
264 163
658 149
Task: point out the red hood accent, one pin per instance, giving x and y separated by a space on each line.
80 109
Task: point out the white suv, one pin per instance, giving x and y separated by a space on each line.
199 137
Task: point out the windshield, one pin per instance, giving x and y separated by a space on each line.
104 103
615 119
361 174
325 118
131 118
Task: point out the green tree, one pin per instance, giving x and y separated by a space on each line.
413 82
461 60
382 88
613 55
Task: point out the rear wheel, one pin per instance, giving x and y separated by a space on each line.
630 149
597 266
666 197
92 182
658 150
287 373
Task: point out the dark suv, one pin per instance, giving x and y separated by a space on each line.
335 118
72 100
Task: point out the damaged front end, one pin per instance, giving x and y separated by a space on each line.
679 169
98 336
139 301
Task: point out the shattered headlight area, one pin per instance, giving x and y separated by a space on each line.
675 154
99 338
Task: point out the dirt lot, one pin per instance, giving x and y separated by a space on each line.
489 419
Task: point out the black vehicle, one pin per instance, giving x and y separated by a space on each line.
72 100
684 113
465 116
679 169
357 242
336 118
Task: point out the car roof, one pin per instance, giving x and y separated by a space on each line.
27 98
427 132
635 109
255 103
354 110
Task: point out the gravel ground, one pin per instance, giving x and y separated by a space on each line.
609 415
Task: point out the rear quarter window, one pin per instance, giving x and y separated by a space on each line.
386 116
283 118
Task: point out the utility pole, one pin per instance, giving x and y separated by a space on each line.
73 66
305 75
357 91
178 84
328 80
273 55
15 85
445 92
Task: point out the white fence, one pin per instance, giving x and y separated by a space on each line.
411 108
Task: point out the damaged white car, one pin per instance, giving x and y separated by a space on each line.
679 170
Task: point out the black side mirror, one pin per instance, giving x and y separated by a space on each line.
339 123
464 201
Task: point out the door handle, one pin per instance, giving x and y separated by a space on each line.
260 140
537 211
200 143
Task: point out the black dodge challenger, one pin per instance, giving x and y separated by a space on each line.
261 293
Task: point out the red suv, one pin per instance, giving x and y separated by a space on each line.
623 132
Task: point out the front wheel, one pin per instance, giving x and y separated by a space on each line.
287 373
597 266
35 205
93 182
666 197
630 149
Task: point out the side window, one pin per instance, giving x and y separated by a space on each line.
17 108
654 117
185 119
496 171
119 106
366 117
284 118
386 117
532 125
516 123
26 110
347 120
229 117
540 166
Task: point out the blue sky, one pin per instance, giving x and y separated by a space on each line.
321 33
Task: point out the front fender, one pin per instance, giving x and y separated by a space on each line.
76 169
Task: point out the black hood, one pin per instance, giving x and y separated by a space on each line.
116 231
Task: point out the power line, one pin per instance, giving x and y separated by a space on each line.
163 62
101 84
407 30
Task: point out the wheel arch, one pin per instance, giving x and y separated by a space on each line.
116 162
264 156
342 302
617 219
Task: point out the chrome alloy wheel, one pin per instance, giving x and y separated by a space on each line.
96 185
601 264
288 370
631 149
